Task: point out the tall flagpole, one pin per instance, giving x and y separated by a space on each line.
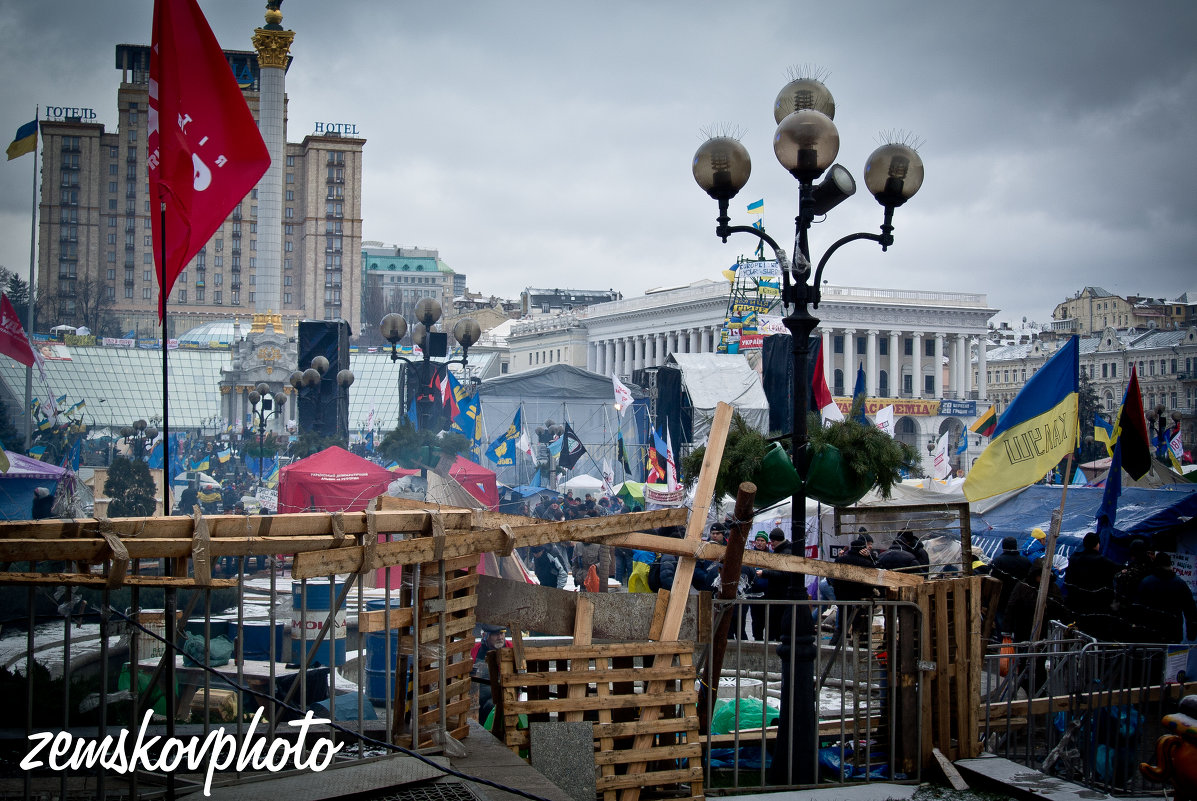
29 318
166 504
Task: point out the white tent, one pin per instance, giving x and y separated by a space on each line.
708 378
582 484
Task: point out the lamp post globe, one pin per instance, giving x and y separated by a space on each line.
803 93
721 167
893 174
806 143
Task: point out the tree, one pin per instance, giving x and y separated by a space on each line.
130 488
373 310
310 442
18 294
95 307
1088 407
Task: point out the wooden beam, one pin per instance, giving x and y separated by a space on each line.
287 525
671 625
84 580
464 543
95 549
772 561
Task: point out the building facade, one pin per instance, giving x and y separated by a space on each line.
916 347
1093 309
1165 360
540 341
535 302
396 277
95 249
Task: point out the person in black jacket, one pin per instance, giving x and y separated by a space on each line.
911 543
1089 588
43 503
896 557
845 590
777 584
1010 567
550 570
1164 603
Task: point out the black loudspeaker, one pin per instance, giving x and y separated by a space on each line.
324 407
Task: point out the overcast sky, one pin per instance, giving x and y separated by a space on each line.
549 144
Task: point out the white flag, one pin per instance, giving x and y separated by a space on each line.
884 419
1176 446
623 395
942 464
609 476
524 443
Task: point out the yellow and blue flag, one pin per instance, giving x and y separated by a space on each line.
1103 431
757 207
502 450
24 142
1037 430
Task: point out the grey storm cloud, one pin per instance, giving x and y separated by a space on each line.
549 143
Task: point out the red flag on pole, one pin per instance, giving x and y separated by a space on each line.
205 151
13 341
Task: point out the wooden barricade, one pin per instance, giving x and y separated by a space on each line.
952 657
611 685
443 608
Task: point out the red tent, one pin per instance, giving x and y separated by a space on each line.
333 480
477 480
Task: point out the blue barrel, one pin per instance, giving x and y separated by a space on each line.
378 672
256 642
321 595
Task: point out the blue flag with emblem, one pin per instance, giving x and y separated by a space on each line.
502 450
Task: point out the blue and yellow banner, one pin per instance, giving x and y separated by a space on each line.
502 450
1037 430
1103 431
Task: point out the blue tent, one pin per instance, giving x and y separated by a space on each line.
1141 513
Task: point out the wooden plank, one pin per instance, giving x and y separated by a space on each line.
583 622
646 727
604 734
547 653
520 662
180 527
423 549
648 700
375 619
683 574
970 743
89 580
1003 712
960 610
943 681
632 782
684 751
583 675
773 561
949 771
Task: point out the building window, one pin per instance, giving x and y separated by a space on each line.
199 294
286 297
290 175
929 385
929 347
289 246
290 215
1114 370
838 382
908 383
147 293
883 349
251 296
290 161
1105 371
287 263
111 274
147 275
216 295
128 291
908 346
290 195
286 280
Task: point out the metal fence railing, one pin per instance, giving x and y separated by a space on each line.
92 662
1076 708
835 672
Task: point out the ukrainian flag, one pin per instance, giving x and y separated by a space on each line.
1037 430
24 142
757 207
224 455
1103 431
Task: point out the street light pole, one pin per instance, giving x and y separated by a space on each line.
263 407
806 143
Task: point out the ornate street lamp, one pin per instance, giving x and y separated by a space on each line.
264 406
137 436
806 143
432 344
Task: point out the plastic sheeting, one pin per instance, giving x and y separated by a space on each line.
713 377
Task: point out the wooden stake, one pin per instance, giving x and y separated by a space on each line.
1048 556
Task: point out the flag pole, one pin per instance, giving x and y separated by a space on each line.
1048 556
32 262
166 504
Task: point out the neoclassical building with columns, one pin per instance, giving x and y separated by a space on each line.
917 347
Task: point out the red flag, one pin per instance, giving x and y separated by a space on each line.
13 341
820 397
1131 430
208 153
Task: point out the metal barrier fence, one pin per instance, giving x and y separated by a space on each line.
836 668
1073 707
94 668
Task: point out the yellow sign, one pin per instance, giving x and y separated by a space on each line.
908 407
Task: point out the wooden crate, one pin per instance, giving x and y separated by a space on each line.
611 687
460 598
952 654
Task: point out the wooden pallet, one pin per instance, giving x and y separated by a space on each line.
952 645
459 597
610 686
